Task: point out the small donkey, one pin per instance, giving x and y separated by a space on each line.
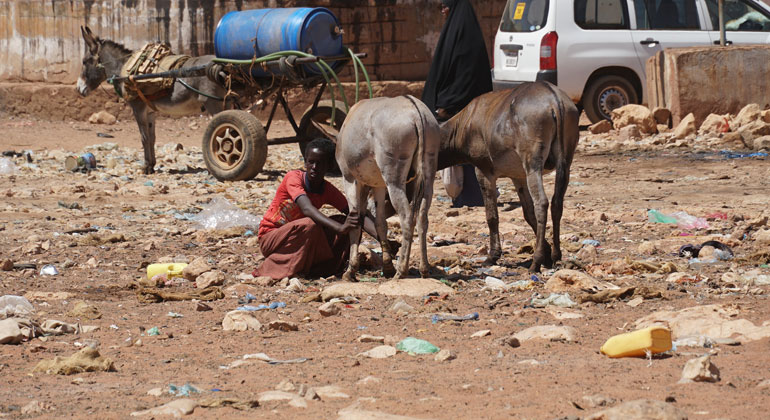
521 134
384 144
104 59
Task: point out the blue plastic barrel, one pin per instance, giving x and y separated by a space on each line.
255 33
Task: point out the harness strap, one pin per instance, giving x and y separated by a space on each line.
141 95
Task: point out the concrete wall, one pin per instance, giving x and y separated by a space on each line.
40 39
706 80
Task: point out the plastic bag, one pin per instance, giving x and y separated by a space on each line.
453 180
682 219
7 167
221 214
416 346
15 306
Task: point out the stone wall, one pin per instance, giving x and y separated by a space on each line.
40 39
706 80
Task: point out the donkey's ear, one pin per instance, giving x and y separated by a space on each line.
88 37
327 131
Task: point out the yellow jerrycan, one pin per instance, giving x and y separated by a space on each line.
171 270
655 339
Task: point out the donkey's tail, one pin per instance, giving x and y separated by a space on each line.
419 155
558 113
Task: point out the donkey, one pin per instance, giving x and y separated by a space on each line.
520 133
384 144
105 58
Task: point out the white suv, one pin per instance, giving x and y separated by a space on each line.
596 50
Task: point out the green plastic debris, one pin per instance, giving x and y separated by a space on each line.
658 217
153 331
413 345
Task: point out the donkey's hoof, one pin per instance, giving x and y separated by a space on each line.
388 270
430 272
149 171
349 276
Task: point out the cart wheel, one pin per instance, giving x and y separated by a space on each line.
234 146
323 115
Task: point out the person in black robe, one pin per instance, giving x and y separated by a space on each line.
460 71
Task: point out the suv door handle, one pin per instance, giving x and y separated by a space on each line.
726 42
649 41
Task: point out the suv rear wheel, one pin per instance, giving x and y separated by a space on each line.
606 93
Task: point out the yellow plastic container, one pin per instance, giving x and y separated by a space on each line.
169 269
655 339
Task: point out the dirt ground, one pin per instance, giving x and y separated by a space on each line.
101 230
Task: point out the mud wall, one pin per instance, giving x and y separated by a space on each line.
40 39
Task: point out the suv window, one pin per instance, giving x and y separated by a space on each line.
601 14
739 16
524 15
666 14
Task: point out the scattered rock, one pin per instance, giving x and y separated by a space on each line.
633 114
761 143
417 287
640 410
10 333
366 338
329 309
566 280
282 325
715 321
286 386
102 117
210 278
699 370
380 352
330 392
197 267
176 408
685 128
630 133
748 114
715 124
601 127
240 321
510 340
444 355
401 307
355 413
482 333
547 332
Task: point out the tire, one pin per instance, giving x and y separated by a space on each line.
606 93
322 114
234 146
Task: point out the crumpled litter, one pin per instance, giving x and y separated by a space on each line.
235 403
620 294
182 391
15 306
272 305
721 251
86 360
562 300
154 295
495 284
221 214
7 167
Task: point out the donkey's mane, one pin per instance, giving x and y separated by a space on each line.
115 45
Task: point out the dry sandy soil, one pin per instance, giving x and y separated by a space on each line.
612 187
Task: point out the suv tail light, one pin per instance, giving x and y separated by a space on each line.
548 51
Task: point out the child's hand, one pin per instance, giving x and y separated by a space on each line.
353 221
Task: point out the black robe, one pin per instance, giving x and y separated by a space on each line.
460 70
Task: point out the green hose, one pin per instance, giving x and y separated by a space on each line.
322 65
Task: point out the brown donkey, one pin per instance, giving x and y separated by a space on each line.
520 133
